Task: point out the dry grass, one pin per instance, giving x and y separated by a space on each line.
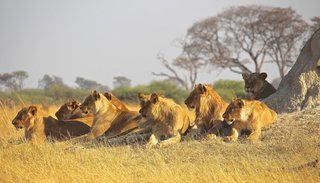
281 156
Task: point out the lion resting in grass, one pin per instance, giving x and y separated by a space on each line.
71 110
256 86
209 107
108 119
38 128
248 115
170 120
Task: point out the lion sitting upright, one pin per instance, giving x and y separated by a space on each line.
209 107
248 115
170 120
256 86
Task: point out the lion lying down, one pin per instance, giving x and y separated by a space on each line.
248 115
71 110
170 120
108 119
38 127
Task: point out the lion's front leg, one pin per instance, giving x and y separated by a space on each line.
254 135
153 140
172 140
234 135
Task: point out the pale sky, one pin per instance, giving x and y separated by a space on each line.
101 39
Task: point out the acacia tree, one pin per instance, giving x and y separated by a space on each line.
86 84
20 77
13 81
246 35
284 32
48 81
121 81
187 61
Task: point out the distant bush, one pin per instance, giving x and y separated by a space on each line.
59 94
166 88
54 95
230 88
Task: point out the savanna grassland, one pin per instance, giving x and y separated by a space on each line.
287 151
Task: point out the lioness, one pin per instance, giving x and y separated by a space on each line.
71 110
108 119
248 115
256 86
170 120
209 107
38 127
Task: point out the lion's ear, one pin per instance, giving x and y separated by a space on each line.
240 103
108 95
245 76
263 75
141 96
201 88
32 110
75 103
154 98
234 98
95 95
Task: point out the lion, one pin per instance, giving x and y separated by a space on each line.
209 108
248 115
38 127
108 119
256 86
170 120
71 110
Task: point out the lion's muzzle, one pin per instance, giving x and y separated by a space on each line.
17 124
84 109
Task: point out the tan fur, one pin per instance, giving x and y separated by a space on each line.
38 127
71 110
209 107
256 86
107 118
248 115
115 101
170 120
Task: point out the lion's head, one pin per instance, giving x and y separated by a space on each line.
143 99
66 110
254 83
91 102
147 102
193 100
233 111
24 116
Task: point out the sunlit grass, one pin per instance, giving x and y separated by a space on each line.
281 155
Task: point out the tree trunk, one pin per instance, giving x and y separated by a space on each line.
300 88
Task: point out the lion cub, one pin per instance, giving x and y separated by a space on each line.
170 120
248 115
